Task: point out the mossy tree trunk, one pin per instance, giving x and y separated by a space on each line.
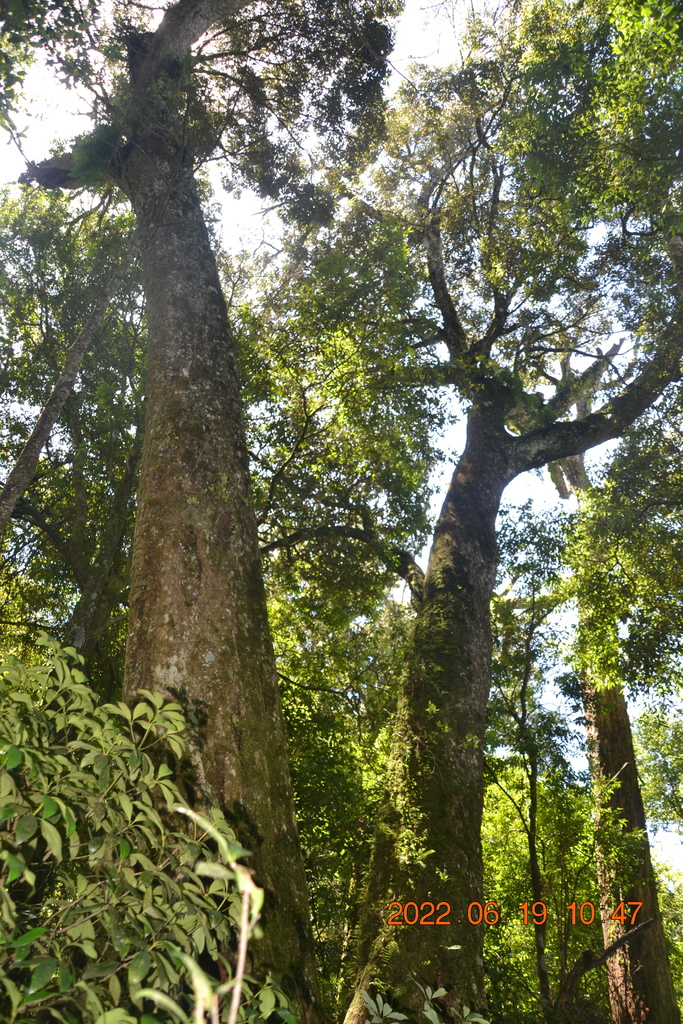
198 626
641 989
427 846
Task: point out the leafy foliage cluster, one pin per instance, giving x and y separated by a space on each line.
106 904
26 25
629 562
82 490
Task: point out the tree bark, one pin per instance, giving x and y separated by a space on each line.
198 628
427 843
198 624
641 989
428 846
565 1010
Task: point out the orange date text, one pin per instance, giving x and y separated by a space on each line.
426 913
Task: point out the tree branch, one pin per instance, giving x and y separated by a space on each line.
396 559
588 960
78 628
557 441
182 25
454 332
497 324
25 510
317 533
572 388
407 568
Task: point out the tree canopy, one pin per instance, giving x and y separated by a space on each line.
218 468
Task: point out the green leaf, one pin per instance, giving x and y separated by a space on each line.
101 970
120 939
161 999
115 989
28 937
117 1016
52 838
430 1014
12 991
42 974
50 807
210 869
25 828
266 1002
139 967
17 868
141 709
14 757
34 997
126 805
287 1015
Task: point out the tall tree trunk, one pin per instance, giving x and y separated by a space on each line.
198 627
428 847
537 891
198 624
641 989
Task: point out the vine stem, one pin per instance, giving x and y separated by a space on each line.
247 889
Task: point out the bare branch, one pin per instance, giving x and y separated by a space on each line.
588 961
454 332
573 388
558 440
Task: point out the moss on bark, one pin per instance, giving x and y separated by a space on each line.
198 623
427 846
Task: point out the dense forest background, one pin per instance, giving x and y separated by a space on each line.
369 669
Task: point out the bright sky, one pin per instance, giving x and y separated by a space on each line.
426 33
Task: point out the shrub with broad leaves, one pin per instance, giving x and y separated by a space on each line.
111 903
